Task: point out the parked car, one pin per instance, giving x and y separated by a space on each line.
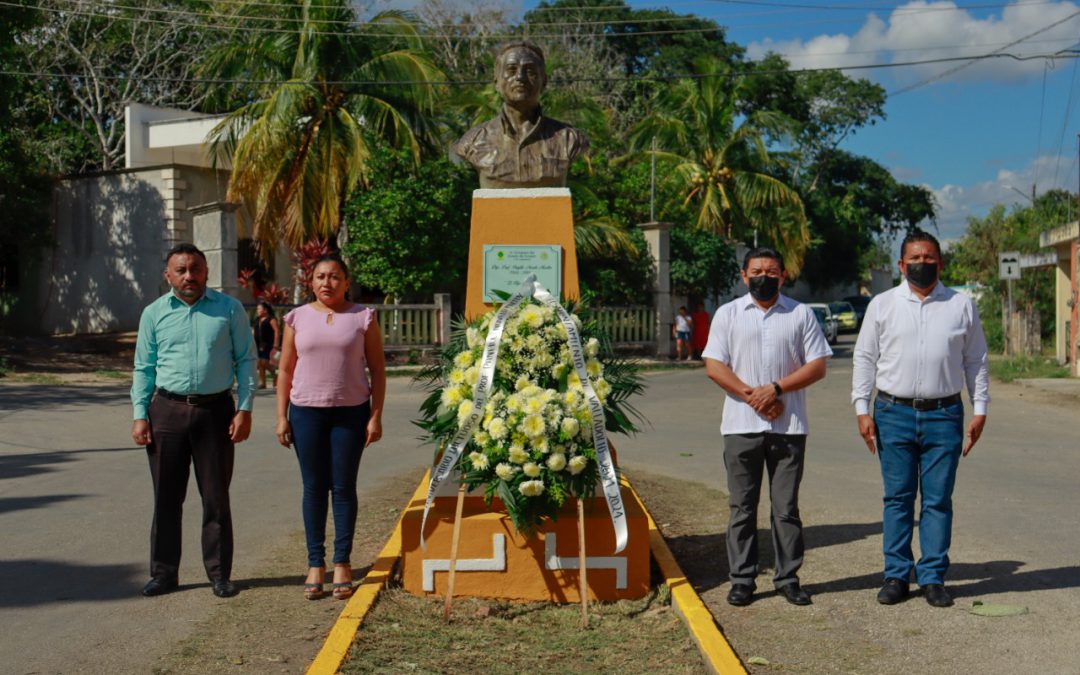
826 320
845 316
860 303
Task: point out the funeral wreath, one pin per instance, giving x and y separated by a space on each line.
532 445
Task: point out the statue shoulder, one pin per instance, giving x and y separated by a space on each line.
465 146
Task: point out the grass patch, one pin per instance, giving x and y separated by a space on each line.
114 374
405 633
1025 367
37 378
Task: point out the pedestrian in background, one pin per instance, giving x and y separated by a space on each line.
920 343
193 343
329 410
267 339
684 325
700 336
764 349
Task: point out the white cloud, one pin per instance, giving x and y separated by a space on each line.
956 203
921 30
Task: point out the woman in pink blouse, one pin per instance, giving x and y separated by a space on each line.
329 410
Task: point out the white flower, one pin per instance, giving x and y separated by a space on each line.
532 316
505 471
531 469
464 411
479 460
472 337
541 445
534 405
592 347
533 426
518 454
543 360
531 390
570 427
522 382
593 368
534 341
602 389
497 428
464 359
559 370
513 403
532 488
481 437
577 464
452 396
556 462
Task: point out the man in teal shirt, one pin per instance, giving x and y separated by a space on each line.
193 342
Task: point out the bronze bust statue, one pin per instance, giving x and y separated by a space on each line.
520 148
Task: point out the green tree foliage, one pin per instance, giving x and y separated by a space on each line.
299 150
409 231
974 259
856 204
702 263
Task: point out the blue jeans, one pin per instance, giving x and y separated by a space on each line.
329 443
919 450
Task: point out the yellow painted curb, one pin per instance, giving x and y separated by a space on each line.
336 647
715 650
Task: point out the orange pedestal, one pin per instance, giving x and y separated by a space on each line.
494 561
527 216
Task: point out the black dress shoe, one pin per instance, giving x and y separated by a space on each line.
159 586
740 595
937 596
794 594
892 592
223 588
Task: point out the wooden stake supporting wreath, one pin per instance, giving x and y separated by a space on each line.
454 551
581 562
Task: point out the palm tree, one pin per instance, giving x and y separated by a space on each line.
301 145
722 167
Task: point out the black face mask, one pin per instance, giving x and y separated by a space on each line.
923 275
764 288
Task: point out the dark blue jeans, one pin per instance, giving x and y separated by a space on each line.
329 443
919 451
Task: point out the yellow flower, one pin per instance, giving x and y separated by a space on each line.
464 411
572 397
522 382
532 488
531 390
457 376
518 454
573 380
602 389
556 462
513 403
577 464
505 471
497 428
532 316
479 460
558 371
534 342
570 427
471 376
593 368
481 437
533 426
464 359
534 405
452 396
541 445
531 469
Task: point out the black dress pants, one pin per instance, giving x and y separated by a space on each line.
183 435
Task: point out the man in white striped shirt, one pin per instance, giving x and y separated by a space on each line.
920 343
764 349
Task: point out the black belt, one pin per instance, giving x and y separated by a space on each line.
922 404
195 399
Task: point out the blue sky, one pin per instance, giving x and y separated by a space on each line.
976 136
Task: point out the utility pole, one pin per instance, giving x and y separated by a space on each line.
652 184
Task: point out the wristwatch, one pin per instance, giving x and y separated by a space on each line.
777 389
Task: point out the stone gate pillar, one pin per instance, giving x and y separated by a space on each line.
658 237
214 232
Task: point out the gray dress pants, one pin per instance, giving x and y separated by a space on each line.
745 455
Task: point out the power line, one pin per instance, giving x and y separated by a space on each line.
955 69
1064 54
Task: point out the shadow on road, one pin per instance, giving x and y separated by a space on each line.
33 463
973 579
29 583
15 397
11 504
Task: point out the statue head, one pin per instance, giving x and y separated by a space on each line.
520 76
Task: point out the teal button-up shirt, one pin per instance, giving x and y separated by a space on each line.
193 349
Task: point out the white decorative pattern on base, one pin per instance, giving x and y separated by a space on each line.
553 562
496 563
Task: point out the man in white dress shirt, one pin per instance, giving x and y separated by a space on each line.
920 342
764 349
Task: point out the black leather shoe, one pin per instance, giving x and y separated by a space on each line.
740 595
794 594
892 592
223 588
159 586
937 596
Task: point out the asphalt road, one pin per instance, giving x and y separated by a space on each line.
75 501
